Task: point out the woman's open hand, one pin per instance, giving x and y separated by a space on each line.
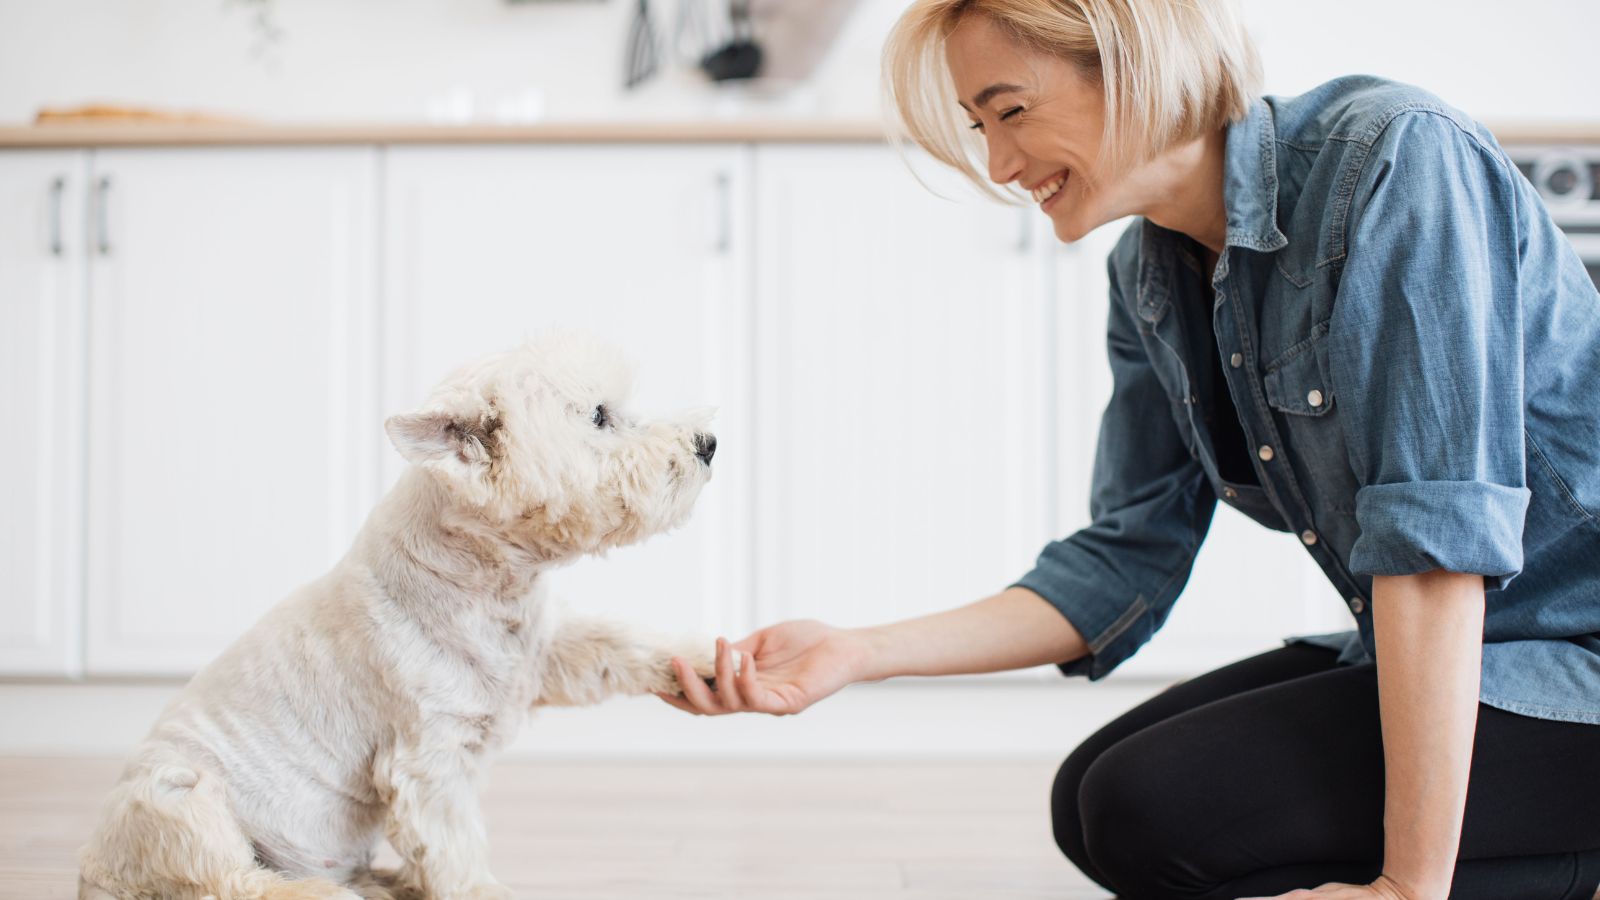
782 670
1384 888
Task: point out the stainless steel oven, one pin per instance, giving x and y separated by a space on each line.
1568 178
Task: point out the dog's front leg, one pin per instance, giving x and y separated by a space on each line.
434 822
588 660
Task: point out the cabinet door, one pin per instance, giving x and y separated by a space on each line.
903 418
41 404
642 246
232 437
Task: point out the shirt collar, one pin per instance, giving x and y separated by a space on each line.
1249 196
1250 182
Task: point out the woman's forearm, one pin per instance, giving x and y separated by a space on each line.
1014 629
1429 636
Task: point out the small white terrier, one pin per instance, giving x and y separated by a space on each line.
366 703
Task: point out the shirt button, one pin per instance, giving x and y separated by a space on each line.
1308 537
1236 360
1265 452
1230 493
1314 398
1357 605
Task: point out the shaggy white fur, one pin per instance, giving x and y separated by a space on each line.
366 703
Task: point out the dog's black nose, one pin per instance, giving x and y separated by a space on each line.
705 447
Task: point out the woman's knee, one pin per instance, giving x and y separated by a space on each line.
1138 823
1065 823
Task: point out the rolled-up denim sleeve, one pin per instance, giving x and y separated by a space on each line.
1426 355
1150 507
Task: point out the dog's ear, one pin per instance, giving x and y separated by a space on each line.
440 436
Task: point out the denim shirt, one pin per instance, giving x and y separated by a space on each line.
1414 352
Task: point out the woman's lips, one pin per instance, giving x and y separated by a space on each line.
1050 188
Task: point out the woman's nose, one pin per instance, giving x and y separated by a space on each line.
1005 161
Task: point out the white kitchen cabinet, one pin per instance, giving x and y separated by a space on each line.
903 400
232 433
41 404
642 245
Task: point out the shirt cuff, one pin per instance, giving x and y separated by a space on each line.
1471 527
1113 628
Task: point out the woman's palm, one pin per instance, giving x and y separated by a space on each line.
796 664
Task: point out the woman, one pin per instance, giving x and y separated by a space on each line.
1347 315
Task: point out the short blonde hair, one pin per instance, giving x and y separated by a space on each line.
1172 70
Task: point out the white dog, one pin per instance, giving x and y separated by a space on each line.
366 703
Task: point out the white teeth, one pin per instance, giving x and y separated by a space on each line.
1047 190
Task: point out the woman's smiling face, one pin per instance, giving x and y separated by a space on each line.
1043 118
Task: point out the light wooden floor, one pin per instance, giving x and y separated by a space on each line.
752 831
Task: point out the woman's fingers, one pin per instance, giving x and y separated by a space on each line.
679 702
727 686
758 698
695 690
737 686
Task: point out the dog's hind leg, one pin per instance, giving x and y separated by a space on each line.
379 884
168 831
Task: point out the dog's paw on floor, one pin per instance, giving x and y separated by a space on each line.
309 889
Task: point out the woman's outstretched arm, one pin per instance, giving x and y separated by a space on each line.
787 667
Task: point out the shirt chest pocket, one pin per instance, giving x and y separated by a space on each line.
1297 381
1301 395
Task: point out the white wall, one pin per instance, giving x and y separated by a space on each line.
389 59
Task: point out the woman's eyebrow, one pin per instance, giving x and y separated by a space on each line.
989 93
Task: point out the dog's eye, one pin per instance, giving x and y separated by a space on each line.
602 416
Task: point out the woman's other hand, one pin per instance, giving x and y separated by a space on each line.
781 670
1384 888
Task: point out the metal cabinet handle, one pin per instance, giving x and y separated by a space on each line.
58 187
722 243
102 216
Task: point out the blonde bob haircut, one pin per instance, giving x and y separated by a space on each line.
1172 70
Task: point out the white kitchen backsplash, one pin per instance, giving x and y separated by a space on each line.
489 59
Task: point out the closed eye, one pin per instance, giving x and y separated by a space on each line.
978 126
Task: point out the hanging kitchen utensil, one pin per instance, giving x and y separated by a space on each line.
691 36
741 56
641 50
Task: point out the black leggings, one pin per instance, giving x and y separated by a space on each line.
1267 775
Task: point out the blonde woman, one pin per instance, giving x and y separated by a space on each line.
1347 315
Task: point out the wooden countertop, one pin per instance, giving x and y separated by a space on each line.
131 134
139 134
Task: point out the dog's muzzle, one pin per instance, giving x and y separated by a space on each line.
705 447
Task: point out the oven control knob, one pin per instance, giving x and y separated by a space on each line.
1563 179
